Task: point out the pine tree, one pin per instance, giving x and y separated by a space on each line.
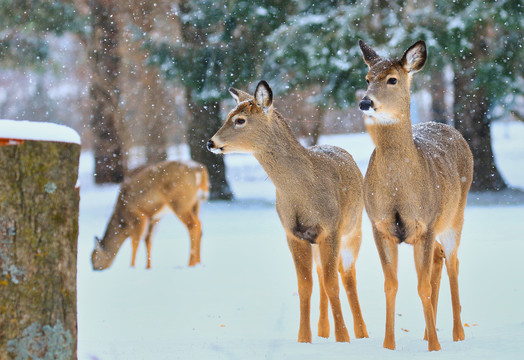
222 45
480 41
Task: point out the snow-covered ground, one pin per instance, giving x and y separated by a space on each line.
242 301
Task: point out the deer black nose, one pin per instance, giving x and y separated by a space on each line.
210 144
365 104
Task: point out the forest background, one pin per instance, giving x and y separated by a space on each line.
139 76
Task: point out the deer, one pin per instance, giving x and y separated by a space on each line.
143 198
415 187
318 199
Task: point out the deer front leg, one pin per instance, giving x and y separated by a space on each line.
423 251
452 265
350 284
436 274
303 259
330 260
348 257
388 252
323 320
149 234
137 230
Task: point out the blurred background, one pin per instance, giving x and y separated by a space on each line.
136 77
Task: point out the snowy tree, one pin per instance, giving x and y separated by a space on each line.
483 42
222 44
480 41
110 158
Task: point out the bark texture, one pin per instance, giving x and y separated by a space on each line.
110 161
205 122
38 250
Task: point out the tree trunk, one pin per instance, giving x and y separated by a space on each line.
471 108
155 119
38 249
317 125
110 159
204 123
437 88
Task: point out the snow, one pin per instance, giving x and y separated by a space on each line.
39 131
242 301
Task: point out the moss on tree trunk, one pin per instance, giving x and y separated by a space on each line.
38 249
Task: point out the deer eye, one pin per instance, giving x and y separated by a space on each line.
367 81
392 81
240 121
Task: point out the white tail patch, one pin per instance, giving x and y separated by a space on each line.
202 195
161 212
347 259
448 240
198 178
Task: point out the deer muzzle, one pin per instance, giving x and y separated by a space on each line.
366 104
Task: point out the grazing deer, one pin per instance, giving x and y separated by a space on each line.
318 199
415 188
143 197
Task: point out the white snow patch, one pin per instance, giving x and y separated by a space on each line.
126 313
38 131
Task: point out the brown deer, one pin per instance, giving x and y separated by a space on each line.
318 199
415 188
143 197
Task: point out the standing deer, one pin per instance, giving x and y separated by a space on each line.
141 202
318 199
415 188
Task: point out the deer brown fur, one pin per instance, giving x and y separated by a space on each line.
143 198
318 199
415 188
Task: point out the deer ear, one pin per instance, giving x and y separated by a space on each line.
98 246
239 95
264 96
415 57
370 56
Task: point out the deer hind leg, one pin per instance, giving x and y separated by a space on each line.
330 261
450 241
436 274
388 252
194 228
349 279
424 252
323 320
303 259
149 234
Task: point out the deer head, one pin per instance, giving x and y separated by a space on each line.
246 125
99 257
387 97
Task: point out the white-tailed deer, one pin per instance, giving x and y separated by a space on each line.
143 197
318 199
415 188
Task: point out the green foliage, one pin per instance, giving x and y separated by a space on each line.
485 40
223 44
318 45
25 25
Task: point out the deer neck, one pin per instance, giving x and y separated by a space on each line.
283 158
393 140
115 234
